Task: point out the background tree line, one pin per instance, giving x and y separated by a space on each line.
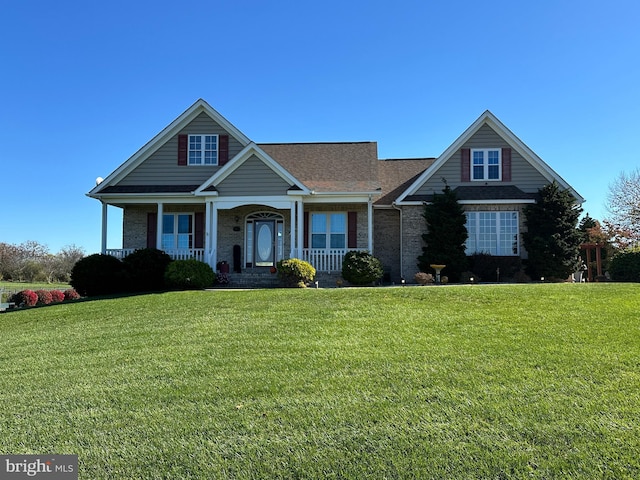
32 262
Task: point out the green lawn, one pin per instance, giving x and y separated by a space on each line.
519 381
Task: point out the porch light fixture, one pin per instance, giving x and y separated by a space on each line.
236 218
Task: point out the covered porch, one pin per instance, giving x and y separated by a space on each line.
248 235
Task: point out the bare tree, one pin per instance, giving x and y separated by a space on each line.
623 205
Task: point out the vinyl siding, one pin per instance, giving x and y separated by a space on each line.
523 174
161 168
253 177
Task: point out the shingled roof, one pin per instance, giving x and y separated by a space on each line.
397 174
329 167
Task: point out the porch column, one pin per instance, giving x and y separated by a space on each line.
294 249
370 225
159 226
300 219
103 248
214 235
207 231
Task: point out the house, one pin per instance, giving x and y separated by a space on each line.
202 189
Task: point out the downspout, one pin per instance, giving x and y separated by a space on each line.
393 205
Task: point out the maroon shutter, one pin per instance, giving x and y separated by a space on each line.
305 236
465 164
223 149
183 141
506 164
198 231
152 229
352 230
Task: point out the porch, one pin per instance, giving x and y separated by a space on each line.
323 260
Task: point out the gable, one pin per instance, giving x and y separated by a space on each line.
253 177
519 167
156 163
161 167
523 174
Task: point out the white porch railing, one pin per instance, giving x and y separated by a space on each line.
196 253
324 260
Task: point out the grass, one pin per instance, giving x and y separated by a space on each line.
521 381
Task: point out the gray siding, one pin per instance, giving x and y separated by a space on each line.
161 168
523 174
253 177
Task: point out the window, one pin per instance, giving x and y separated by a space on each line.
177 231
328 230
203 150
486 164
492 232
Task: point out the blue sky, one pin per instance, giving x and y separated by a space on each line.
85 84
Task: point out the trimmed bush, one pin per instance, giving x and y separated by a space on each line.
361 268
56 296
485 267
44 297
146 268
71 294
294 272
25 298
625 266
189 275
99 275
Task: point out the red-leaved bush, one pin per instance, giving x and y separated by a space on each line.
25 298
44 297
56 296
71 294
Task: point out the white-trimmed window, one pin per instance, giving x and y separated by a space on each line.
203 150
496 233
328 230
177 231
486 164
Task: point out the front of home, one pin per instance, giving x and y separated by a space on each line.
202 189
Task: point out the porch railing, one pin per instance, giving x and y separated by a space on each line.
196 253
324 260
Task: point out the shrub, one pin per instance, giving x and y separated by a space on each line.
295 272
25 298
189 275
99 275
44 297
56 296
625 266
361 268
485 267
146 269
422 278
71 294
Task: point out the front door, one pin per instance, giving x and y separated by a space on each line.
264 243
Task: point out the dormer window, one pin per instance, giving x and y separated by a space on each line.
486 164
203 150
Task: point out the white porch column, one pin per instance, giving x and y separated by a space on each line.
207 232
370 225
214 235
103 248
300 218
159 226
294 250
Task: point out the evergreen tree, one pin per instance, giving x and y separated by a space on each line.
446 235
552 239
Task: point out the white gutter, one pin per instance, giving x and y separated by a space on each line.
393 205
